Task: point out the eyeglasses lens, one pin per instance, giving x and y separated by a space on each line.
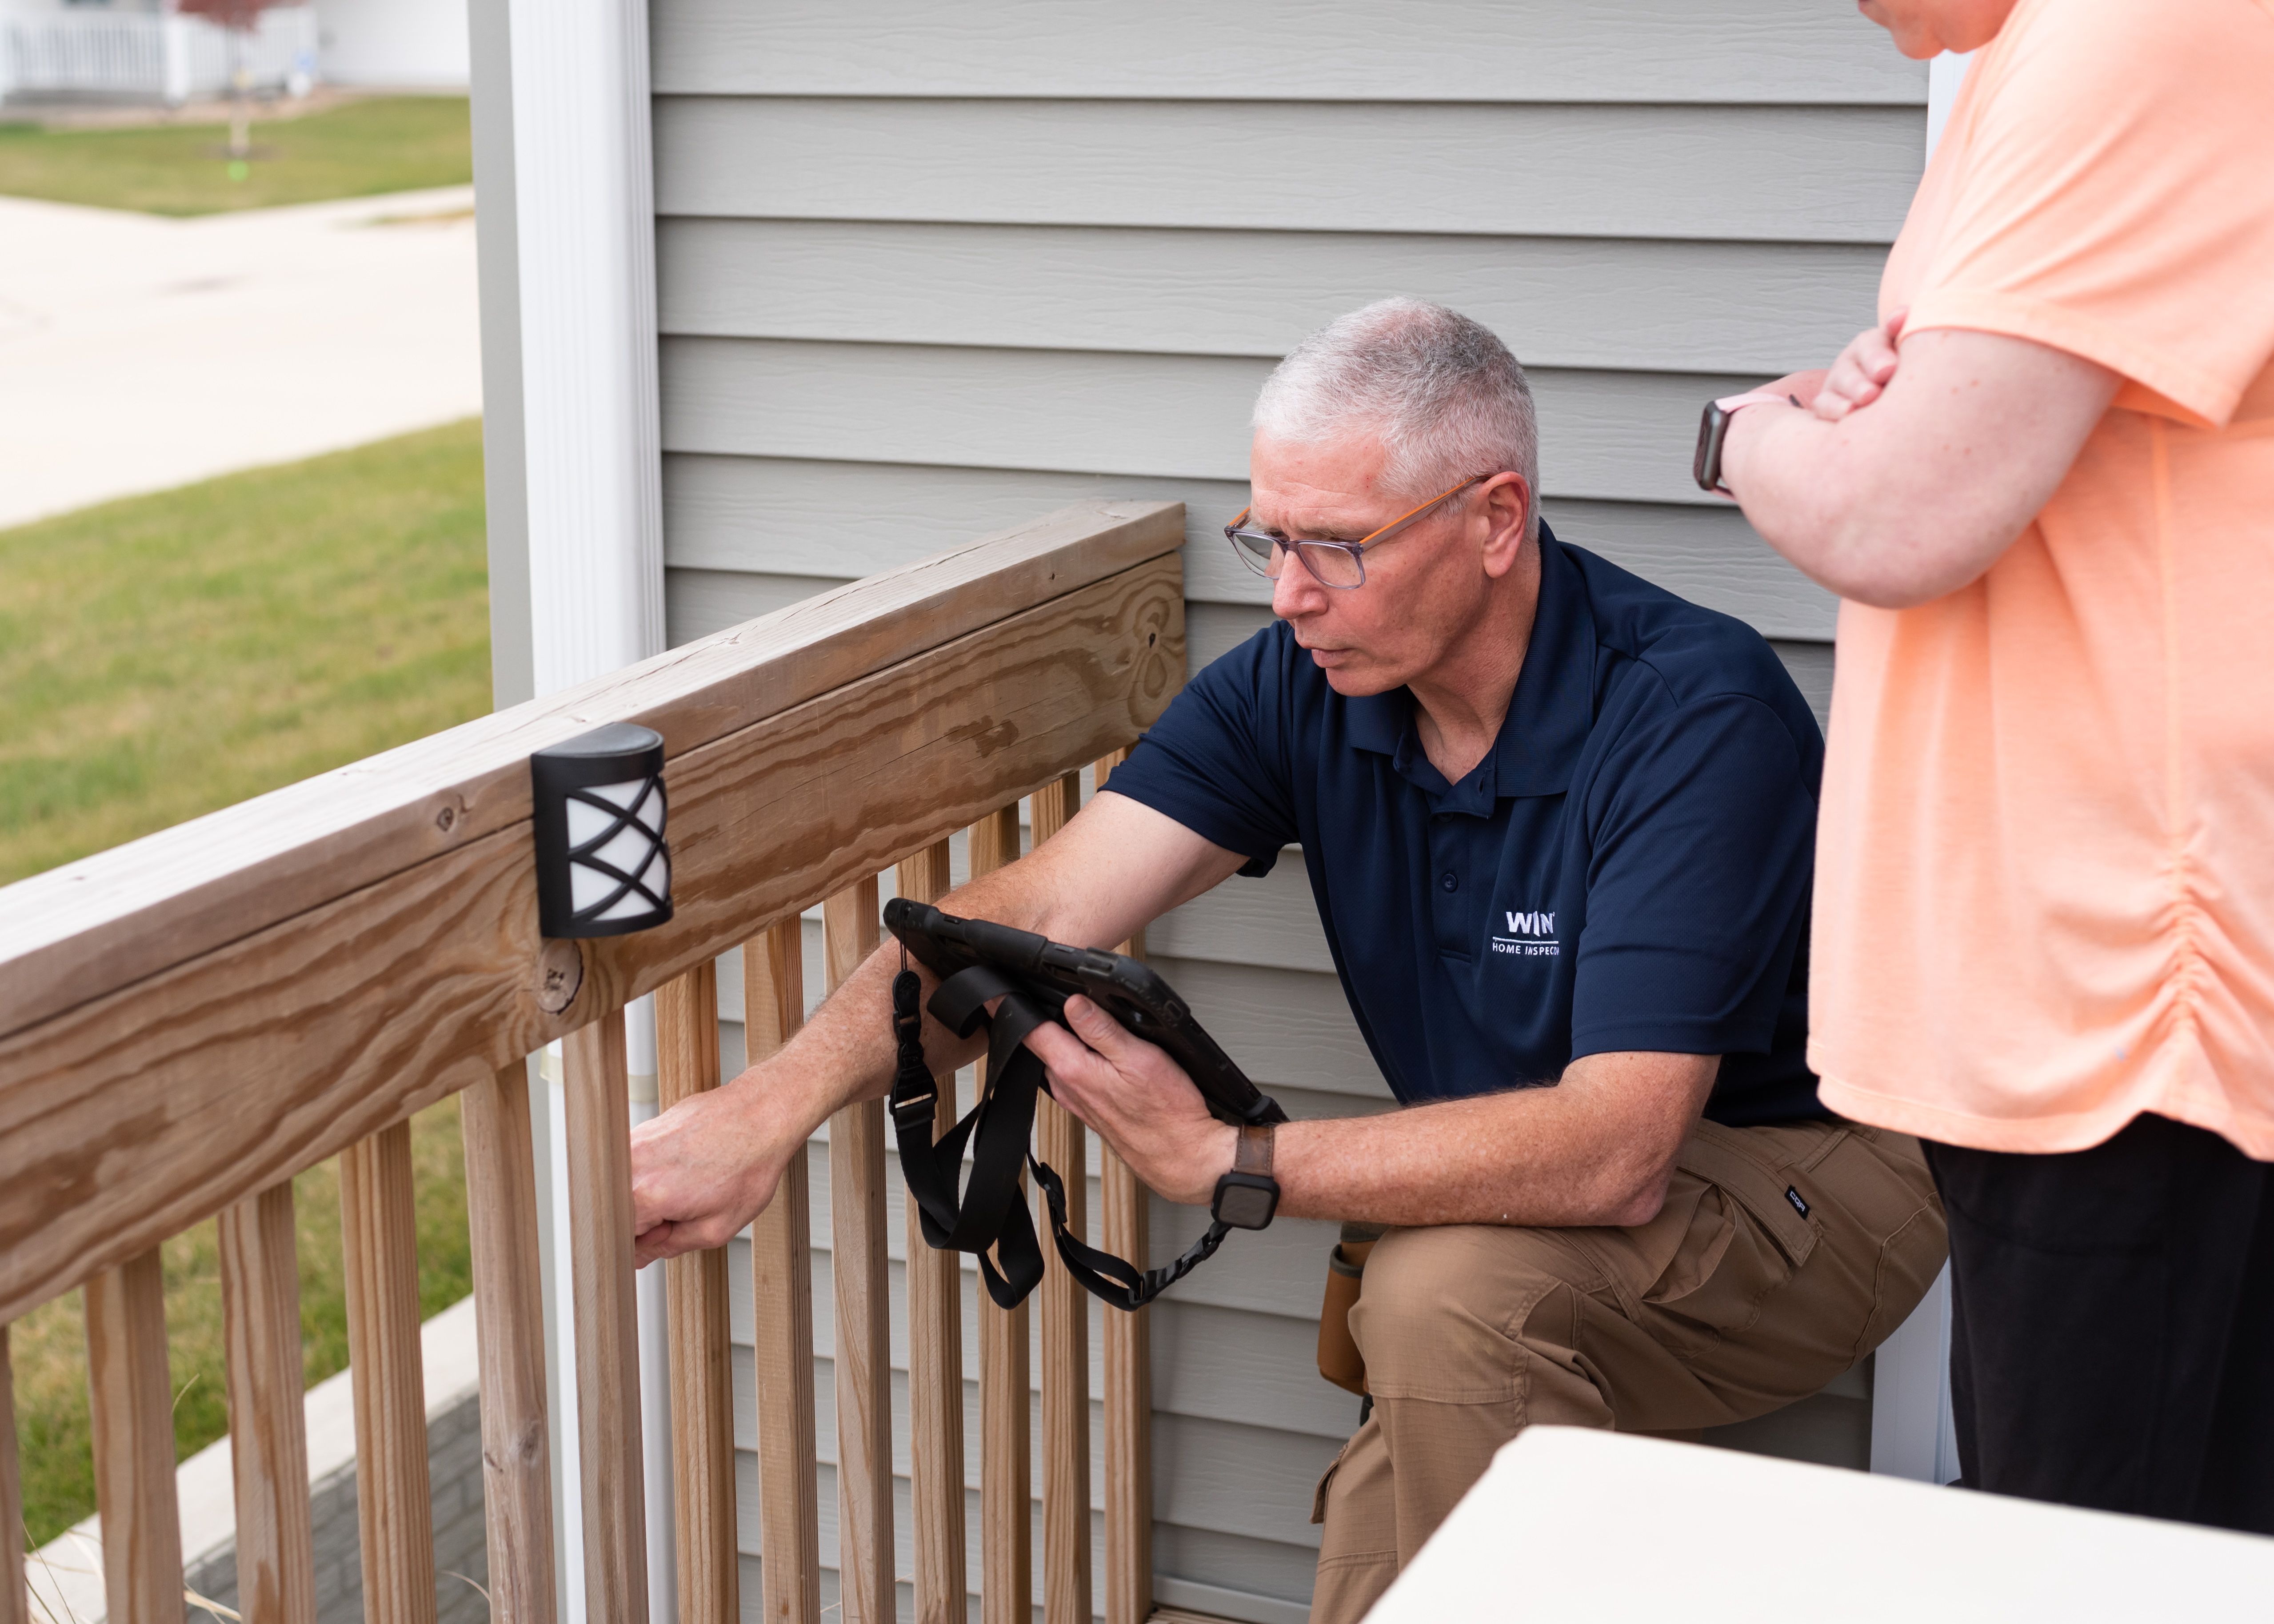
1259 553
1266 555
1333 566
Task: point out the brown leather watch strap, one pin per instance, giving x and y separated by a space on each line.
1254 1152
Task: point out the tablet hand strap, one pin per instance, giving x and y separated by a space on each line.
990 1210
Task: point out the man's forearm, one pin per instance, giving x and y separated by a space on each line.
845 1052
1569 1155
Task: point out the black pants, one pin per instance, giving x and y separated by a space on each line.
2112 1324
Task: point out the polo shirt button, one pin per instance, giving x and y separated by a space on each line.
1450 880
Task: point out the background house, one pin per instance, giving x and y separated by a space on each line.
141 50
908 273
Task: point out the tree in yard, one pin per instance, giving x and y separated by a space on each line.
239 17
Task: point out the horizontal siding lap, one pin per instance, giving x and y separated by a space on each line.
1708 306
1609 435
1282 1026
1713 173
1544 51
809 522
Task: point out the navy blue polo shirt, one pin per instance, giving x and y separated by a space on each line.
1628 868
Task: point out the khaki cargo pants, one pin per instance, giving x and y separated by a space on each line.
1729 1304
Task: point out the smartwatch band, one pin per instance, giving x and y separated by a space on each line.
1713 429
1252 1153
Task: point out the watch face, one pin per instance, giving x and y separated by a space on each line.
1244 1206
1705 466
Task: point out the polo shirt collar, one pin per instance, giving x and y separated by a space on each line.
1548 716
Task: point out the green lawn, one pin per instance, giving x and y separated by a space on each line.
388 144
168 655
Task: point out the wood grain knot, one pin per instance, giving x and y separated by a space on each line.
560 975
524 1450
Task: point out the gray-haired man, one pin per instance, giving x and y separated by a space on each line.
1558 824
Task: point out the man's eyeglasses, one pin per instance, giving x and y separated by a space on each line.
1339 564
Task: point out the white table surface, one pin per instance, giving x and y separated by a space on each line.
1571 1524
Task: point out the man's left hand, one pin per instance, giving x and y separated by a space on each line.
1141 1100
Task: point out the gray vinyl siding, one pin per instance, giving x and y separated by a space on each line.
924 272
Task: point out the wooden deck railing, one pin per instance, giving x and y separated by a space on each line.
190 1020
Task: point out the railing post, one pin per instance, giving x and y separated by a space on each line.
132 1408
15 1603
702 1389
395 1512
1007 1506
781 1294
267 1425
935 1352
1128 1372
864 1362
1062 1144
599 1114
509 1327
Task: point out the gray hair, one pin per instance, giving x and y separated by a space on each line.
1444 393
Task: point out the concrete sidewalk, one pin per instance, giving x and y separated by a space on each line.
139 353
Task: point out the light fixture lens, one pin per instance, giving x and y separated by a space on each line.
603 867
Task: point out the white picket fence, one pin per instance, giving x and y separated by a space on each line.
170 58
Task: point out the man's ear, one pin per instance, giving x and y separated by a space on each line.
1508 510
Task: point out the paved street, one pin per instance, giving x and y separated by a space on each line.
138 353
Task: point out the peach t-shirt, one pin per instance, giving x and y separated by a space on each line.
2044 896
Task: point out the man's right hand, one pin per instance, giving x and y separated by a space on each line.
702 1170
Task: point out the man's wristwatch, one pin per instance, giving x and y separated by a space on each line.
1246 1197
1713 428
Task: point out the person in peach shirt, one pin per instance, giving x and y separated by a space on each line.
2043 484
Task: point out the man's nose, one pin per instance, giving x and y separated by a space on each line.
1296 592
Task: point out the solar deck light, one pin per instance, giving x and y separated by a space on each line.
602 866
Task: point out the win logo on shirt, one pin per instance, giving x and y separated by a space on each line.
1530 936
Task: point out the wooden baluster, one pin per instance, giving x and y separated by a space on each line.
1128 1374
702 1389
598 1117
863 1363
394 1512
267 1427
1006 1508
133 1412
1060 1143
509 1326
934 1353
15 1603
781 1281
1128 1359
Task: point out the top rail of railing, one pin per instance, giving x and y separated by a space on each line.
193 1017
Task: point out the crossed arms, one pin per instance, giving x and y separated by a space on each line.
1598 1149
1904 482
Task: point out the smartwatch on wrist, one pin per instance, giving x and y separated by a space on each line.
1713 428
1246 1197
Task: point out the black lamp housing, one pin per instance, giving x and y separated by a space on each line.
603 869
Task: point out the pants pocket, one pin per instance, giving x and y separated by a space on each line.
1327 1477
1764 1191
1747 1236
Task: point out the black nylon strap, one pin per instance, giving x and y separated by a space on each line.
989 1210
